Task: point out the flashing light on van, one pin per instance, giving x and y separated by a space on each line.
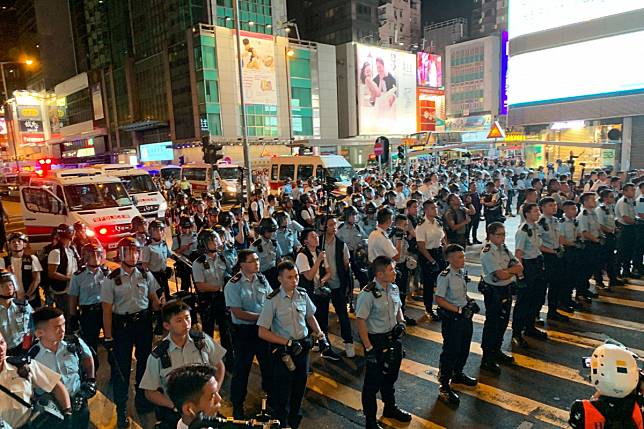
102 231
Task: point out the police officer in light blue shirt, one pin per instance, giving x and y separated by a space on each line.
268 250
155 254
185 244
285 235
284 322
15 315
607 261
246 294
591 234
627 244
69 356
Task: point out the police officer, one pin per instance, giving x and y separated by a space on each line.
548 230
529 293
15 316
139 230
500 269
286 237
85 295
26 268
179 348
268 250
430 238
590 232
185 244
352 234
19 375
62 262
381 326
240 229
570 242
128 295
627 231
400 232
456 311
155 254
246 293
208 271
69 356
284 322
368 221
606 217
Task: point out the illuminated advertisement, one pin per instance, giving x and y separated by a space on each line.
503 78
386 81
258 66
570 71
157 152
430 70
531 16
430 108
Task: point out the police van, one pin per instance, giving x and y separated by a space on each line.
71 195
200 176
330 168
138 183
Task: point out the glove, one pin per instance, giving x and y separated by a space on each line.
371 357
88 388
399 330
108 343
470 309
294 347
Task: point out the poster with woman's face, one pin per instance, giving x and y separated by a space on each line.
386 80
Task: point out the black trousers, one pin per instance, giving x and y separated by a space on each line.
607 259
498 305
402 281
626 246
571 277
185 275
339 300
473 227
429 273
162 278
91 323
382 376
639 246
212 309
529 296
359 274
553 270
457 336
247 345
129 332
80 418
286 400
590 256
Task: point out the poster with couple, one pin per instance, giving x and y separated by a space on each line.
386 80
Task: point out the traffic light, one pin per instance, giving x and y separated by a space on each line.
401 152
211 151
384 158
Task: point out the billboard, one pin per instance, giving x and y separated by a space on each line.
386 81
571 71
157 152
530 16
503 78
430 70
258 67
430 107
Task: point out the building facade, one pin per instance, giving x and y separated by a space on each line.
399 22
488 16
442 34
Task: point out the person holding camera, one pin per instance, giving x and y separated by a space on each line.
456 312
430 237
400 233
284 322
381 326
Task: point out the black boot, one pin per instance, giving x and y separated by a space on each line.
463 379
503 358
396 414
372 423
490 365
447 395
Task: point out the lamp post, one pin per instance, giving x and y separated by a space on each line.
10 129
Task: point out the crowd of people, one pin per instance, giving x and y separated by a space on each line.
266 275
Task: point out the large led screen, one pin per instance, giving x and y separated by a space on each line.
386 81
157 152
531 16
430 70
597 67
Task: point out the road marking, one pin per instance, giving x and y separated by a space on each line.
631 287
103 413
492 395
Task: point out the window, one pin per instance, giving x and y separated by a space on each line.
274 168
41 201
287 171
304 171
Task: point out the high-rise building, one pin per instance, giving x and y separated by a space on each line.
441 34
488 16
399 23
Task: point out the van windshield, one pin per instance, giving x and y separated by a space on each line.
196 174
228 173
92 196
138 184
342 174
170 173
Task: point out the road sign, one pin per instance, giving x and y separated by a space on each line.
496 132
378 148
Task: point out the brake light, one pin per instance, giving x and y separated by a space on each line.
102 231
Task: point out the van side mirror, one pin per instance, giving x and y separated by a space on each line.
134 200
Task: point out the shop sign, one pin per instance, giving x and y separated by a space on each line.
31 126
514 136
31 138
469 123
608 157
29 112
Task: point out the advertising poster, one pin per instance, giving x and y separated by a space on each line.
430 70
430 110
386 81
258 66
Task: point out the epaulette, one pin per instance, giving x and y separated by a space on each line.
262 278
73 345
104 269
114 274
80 270
22 364
445 272
585 212
525 227
371 287
486 248
201 259
302 290
542 221
199 338
236 278
605 209
273 294
257 242
33 351
161 352
641 200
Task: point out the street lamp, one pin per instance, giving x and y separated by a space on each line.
286 26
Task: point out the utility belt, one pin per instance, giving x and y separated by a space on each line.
130 319
383 341
619 225
485 287
91 308
532 261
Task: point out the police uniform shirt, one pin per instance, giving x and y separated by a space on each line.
606 216
368 226
495 258
86 285
268 255
639 206
286 240
156 254
246 294
211 271
183 239
625 207
64 362
549 233
451 286
286 316
587 222
155 375
352 235
72 265
132 295
431 233
13 412
528 241
569 229
380 245
16 268
14 322
380 314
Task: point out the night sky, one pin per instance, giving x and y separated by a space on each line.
442 10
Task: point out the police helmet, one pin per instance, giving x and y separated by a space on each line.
185 222
137 222
91 249
65 231
79 226
156 224
357 200
7 276
368 192
237 210
214 211
126 243
225 219
281 217
205 236
267 224
613 371
18 236
348 212
371 208
390 195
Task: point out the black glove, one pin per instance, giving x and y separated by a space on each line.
470 309
399 330
108 343
294 347
88 388
371 357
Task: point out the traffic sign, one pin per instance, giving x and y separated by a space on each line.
378 148
496 132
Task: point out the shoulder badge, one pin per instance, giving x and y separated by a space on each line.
32 353
22 363
257 242
525 227
161 352
114 274
201 259
445 272
273 294
371 287
199 338
585 212
542 221
80 271
641 199
104 269
73 345
236 277
302 290
486 248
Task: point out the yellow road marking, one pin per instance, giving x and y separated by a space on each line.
632 287
103 413
492 395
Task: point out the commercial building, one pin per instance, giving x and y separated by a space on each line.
399 22
442 34
488 16
565 108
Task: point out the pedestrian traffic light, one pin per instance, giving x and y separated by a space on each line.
401 152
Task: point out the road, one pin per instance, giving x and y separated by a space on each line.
535 393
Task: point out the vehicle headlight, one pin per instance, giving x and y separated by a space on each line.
230 188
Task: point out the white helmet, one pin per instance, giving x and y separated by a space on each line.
613 371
